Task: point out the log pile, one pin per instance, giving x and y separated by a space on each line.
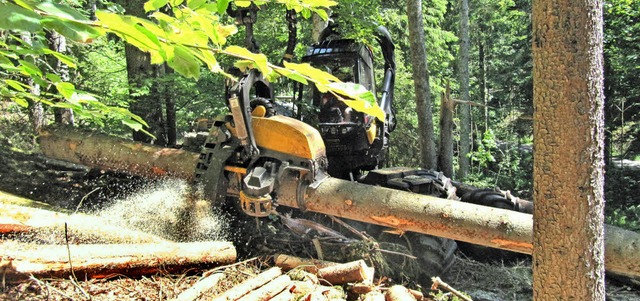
295 278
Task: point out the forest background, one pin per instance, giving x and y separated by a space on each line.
500 81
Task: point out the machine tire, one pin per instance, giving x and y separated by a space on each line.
268 105
434 255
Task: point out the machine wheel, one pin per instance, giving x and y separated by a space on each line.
434 255
269 110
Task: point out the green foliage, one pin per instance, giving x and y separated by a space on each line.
627 218
482 155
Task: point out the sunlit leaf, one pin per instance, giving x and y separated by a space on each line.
222 6
293 75
65 59
13 17
65 89
16 85
75 31
316 75
259 59
30 69
21 102
364 100
242 3
61 11
154 4
127 28
195 4
184 62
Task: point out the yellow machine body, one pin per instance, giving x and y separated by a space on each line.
287 136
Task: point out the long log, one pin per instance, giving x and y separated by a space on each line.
100 261
397 209
48 226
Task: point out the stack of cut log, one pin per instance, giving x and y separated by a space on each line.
295 278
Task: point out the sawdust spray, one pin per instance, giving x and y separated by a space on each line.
170 209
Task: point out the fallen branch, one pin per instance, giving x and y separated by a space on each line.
101 261
201 287
437 282
287 262
249 285
269 290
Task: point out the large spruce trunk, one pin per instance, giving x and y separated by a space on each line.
568 169
377 205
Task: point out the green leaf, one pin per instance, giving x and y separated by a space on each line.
13 17
21 102
30 69
359 98
316 75
127 28
195 4
75 31
16 85
243 3
154 4
259 59
136 126
293 75
53 77
184 62
65 59
66 89
61 11
222 6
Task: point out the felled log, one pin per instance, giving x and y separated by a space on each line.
201 287
249 285
407 211
100 261
311 265
48 226
399 293
355 271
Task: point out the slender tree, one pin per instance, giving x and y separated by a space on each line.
463 73
58 42
141 74
421 84
568 260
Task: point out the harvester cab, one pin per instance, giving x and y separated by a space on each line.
354 141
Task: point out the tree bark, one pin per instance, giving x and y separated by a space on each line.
58 42
568 259
141 74
377 205
356 271
100 261
463 73
445 158
421 84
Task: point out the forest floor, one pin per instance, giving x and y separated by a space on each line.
117 195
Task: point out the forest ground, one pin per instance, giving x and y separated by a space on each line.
33 176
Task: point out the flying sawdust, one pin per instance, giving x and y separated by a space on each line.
170 209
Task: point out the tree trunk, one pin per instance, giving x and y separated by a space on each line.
465 110
445 158
568 259
421 84
170 111
377 205
318 26
100 261
58 43
484 95
141 75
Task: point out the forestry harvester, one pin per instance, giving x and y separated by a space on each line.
249 153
